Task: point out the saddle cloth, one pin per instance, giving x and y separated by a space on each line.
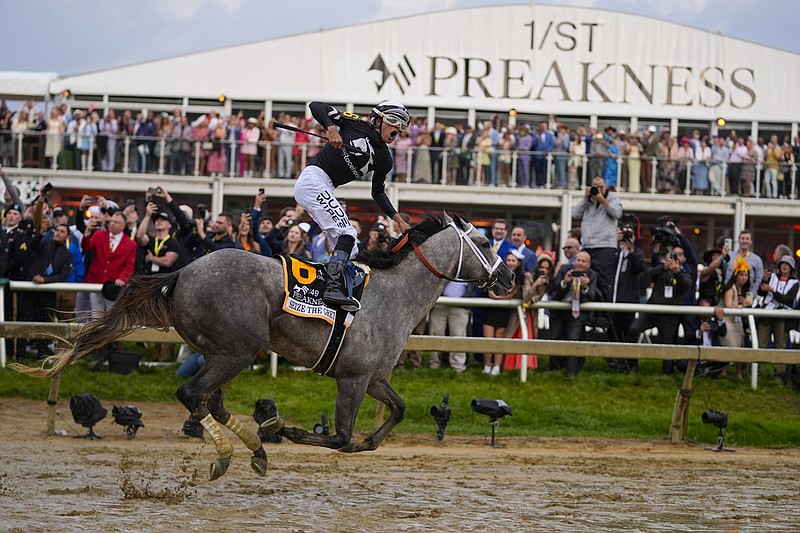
304 283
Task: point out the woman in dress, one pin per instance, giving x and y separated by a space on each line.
534 289
736 294
484 149
217 158
451 147
700 182
86 134
633 151
749 161
577 152
163 149
422 159
667 159
55 136
401 146
200 146
251 136
504 157
495 319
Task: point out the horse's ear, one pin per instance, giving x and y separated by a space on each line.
460 222
447 219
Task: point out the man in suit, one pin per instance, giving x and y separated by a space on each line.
466 146
499 243
543 143
574 284
518 239
437 148
114 257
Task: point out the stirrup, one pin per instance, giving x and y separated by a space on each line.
352 307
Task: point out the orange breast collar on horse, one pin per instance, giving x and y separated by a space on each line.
304 283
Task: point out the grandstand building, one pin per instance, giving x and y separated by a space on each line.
522 63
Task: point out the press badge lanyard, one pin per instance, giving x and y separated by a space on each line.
159 245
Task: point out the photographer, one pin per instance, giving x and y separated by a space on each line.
255 224
629 265
574 284
599 211
378 236
712 329
670 284
668 239
184 227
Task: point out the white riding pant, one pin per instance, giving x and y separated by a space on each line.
314 191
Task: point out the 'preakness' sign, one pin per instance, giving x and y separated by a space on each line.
541 59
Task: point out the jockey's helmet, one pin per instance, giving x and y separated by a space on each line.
393 113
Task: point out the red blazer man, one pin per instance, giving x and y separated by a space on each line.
114 255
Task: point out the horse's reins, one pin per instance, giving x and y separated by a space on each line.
491 269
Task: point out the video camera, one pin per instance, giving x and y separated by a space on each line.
441 414
664 233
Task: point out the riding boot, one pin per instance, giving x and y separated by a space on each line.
337 293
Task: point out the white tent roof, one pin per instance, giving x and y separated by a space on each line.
535 58
16 83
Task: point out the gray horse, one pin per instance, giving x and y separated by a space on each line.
228 306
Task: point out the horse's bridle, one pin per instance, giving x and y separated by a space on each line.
463 237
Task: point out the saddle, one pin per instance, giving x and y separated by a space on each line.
304 283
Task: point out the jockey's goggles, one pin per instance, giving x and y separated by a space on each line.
393 120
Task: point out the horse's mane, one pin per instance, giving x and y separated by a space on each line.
419 233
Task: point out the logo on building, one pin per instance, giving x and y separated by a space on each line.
403 74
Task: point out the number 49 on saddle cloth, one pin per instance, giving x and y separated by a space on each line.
304 283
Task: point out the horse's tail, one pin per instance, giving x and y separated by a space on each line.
145 301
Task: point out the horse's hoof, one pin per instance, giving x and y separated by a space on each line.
350 447
273 425
259 465
219 467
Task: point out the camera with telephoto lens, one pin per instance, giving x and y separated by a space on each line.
717 418
664 233
202 211
383 237
593 191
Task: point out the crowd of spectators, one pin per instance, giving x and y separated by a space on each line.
604 262
492 153
106 242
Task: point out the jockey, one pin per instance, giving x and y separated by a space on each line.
356 151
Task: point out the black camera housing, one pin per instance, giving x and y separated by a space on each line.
717 418
202 211
665 236
441 414
593 191
494 409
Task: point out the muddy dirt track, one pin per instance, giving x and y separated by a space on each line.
158 481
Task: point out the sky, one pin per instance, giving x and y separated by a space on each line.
76 36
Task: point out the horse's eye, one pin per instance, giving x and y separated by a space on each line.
485 245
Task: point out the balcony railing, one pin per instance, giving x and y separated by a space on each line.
434 165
